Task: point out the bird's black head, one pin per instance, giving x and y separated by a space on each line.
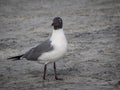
57 23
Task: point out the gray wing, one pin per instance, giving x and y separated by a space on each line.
35 52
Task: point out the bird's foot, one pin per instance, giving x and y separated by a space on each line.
56 78
44 78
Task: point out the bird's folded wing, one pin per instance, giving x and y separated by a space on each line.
37 51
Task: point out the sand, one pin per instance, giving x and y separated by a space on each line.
92 28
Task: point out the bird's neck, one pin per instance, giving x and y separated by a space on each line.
57 34
58 31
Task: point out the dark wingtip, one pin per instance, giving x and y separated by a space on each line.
15 58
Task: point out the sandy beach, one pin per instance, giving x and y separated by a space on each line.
92 28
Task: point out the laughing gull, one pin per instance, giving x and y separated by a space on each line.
50 50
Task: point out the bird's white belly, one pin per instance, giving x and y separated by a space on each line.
59 43
52 55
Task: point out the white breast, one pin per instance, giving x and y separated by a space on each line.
59 43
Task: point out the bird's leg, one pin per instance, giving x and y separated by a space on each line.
56 72
45 68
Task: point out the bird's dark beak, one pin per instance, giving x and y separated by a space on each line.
52 24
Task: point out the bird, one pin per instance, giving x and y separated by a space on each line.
50 50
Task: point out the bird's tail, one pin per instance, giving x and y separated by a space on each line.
16 57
